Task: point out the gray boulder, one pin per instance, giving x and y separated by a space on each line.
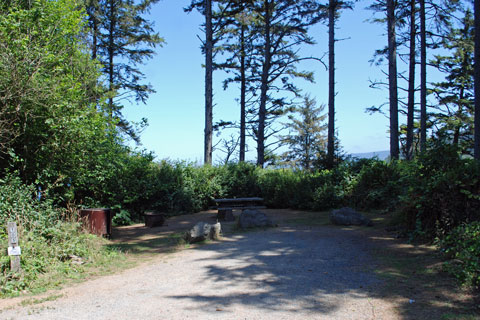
215 231
253 219
203 231
348 217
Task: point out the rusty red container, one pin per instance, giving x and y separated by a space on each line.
98 221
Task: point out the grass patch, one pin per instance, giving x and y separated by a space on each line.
33 301
150 245
450 316
413 272
98 259
50 264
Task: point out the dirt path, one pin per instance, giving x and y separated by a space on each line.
287 272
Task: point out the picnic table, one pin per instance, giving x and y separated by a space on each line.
226 206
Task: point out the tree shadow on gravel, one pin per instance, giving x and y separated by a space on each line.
312 271
318 269
415 280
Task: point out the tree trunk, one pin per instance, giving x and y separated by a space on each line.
411 85
208 83
111 52
423 78
461 95
392 79
477 82
262 113
95 30
242 94
331 84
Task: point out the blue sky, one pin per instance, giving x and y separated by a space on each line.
176 111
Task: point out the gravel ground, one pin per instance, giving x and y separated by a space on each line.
281 273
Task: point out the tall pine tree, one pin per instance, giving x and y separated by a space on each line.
284 27
333 11
456 93
122 39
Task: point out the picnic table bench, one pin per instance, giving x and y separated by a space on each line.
226 206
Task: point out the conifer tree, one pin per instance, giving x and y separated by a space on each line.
411 80
213 34
306 140
390 9
238 46
455 94
333 8
284 27
122 39
477 80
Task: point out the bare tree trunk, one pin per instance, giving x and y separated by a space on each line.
242 95
208 83
331 84
94 39
262 113
477 82
411 84
94 13
423 78
111 52
461 95
392 79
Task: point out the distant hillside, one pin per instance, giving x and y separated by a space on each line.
382 155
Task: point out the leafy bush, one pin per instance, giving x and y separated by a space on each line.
444 192
278 187
240 180
122 218
48 241
329 189
378 184
462 247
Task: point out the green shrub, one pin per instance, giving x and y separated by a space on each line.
377 185
327 197
278 187
462 247
240 180
122 218
444 192
329 189
48 242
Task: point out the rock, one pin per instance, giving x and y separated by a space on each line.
215 231
76 259
253 219
203 231
347 217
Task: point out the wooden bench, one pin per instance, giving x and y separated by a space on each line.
226 206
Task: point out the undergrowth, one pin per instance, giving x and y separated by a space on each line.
54 247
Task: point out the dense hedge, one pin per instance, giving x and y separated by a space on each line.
434 193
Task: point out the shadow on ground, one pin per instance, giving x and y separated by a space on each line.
314 271
304 265
417 283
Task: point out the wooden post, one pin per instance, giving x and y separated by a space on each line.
13 247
